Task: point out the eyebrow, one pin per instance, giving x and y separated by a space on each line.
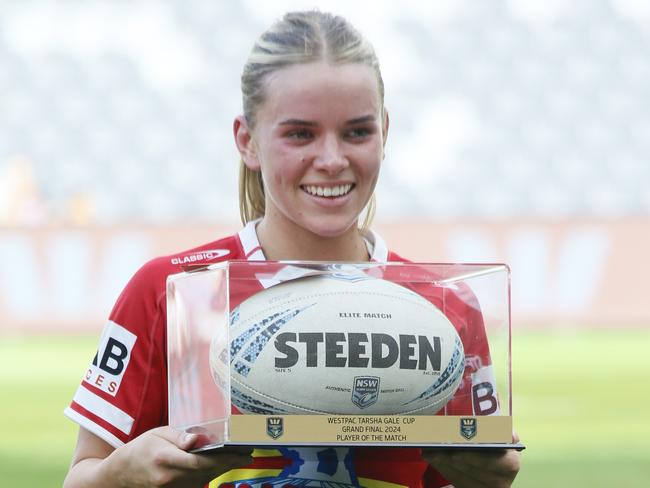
298 122
362 120
309 123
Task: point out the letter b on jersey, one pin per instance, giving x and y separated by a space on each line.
484 399
112 359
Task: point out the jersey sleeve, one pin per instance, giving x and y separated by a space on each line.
123 391
476 394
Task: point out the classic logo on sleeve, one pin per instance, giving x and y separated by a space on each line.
112 358
200 256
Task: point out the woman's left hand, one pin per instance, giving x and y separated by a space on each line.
472 468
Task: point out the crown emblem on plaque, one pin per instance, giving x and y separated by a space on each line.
275 426
468 427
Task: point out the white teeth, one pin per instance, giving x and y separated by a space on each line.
328 191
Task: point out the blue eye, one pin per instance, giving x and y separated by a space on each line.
300 134
358 132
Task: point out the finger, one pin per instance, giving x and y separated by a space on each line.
515 437
169 434
494 466
186 441
238 450
464 456
173 453
462 477
495 461
220 458
182 440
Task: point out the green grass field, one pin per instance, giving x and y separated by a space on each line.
581 405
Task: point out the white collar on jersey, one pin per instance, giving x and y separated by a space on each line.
377 248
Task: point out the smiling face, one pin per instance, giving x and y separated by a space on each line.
318 141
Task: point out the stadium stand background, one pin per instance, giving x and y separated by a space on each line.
519 133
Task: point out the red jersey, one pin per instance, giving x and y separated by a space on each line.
124 390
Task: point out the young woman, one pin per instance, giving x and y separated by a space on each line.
311 140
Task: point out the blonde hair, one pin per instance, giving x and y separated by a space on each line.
299 37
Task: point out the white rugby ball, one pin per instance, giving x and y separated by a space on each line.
342 344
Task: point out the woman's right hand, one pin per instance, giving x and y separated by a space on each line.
157 458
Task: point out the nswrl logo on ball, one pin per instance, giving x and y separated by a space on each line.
365 391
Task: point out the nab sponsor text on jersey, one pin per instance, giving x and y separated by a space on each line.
112 358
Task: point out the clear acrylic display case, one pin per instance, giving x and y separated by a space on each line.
200 303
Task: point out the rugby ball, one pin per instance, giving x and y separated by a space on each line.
342 344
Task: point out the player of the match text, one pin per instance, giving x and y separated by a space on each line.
371 429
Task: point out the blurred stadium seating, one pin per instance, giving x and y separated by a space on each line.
119 114
494 114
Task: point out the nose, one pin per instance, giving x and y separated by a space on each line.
331 156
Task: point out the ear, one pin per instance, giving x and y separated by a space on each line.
245 144
384 129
